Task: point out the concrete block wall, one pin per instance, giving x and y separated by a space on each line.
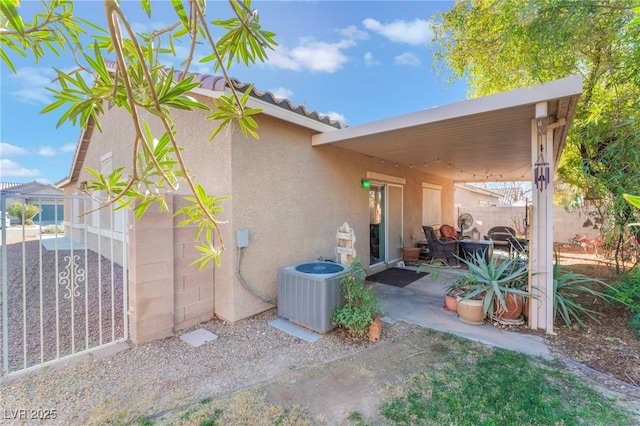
194 287
565 224
165 293
151 292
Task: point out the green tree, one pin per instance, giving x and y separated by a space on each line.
503 44
142 82
23 212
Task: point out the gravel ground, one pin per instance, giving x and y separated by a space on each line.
167 374
63 308
141 379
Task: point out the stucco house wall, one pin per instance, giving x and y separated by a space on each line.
290 196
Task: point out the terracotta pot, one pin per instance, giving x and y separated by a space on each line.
375 329
515 304
411 254
525 309
470 311
450 303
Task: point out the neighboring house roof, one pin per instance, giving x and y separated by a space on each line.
511 195
477 189
31 188
214 86
8 185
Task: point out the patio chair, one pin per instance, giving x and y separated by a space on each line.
504 237
438 249
501 235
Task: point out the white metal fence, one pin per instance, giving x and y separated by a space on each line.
64 284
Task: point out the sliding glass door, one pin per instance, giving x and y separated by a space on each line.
385 223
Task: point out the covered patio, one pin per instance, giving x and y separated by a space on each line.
493 138
421 303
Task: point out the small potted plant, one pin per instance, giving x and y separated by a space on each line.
455 290
361 307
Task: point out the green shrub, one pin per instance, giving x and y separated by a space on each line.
23 212
626 290
634 324
53 229
360 304
568 288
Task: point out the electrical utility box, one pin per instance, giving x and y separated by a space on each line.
242 238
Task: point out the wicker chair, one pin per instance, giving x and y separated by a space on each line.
438 249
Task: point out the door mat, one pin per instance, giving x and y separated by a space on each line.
397 277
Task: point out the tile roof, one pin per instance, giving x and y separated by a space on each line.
218 84
33 188
207 82
8 185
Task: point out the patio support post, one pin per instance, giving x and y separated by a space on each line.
541 247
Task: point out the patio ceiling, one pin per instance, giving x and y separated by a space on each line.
482 139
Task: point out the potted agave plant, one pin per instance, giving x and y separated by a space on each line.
495 288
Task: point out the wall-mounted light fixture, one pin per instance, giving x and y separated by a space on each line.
366 183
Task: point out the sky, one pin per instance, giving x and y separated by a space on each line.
356 61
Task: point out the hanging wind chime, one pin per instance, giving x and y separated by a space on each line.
541 172
541 168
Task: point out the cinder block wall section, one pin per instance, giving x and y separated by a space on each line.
151 290
165 292
194 287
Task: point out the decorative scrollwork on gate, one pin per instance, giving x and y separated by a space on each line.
71 277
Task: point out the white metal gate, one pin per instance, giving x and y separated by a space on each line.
64 280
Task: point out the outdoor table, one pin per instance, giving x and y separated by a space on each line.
470 247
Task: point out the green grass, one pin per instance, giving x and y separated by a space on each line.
243 408
498 387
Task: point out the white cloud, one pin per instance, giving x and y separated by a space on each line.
369 60
30 85
282 92
46 151
353 33
44 181
336 116
415 33
8 150
11 168
68 147
316 56
407 58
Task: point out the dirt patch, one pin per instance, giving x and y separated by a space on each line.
609 346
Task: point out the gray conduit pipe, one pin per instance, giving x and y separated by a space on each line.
247 286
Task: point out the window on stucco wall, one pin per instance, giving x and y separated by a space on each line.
431 204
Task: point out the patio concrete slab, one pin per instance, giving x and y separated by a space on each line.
421 303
